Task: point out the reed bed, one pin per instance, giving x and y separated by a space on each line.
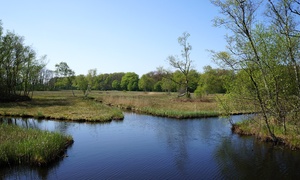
30 146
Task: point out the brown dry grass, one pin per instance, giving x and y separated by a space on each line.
158 103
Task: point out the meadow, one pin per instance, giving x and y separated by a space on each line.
61 105
160 103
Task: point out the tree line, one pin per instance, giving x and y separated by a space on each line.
209 82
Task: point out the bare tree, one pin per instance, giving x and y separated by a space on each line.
184 65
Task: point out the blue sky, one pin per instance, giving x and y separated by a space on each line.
114 35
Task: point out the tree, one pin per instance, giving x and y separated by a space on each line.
214 80
82 83
130 81
116 85
19 67
183 65
65 72
91 78
146 83
263 58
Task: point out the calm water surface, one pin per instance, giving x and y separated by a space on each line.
147 147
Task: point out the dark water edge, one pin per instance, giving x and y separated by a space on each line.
147 147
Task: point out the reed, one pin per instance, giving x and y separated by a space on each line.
30 146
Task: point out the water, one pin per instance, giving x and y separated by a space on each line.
147 147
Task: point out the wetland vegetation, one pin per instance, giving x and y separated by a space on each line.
30 146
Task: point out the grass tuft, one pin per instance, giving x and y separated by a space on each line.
30 146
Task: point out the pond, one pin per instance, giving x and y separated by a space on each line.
147 147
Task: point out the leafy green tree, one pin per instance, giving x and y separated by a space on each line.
82 83
168 85
130 81
214 80
91 78
19 67
66 75
146 83
158 86
116 85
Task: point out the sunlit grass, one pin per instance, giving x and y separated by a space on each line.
160 104
256 126
61 105
30 146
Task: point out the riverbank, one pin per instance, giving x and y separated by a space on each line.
61 105
256 127
30 146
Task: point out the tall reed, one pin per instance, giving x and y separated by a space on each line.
30 146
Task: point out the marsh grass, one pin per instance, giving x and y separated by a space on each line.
30 146
160 104
61 105
256 127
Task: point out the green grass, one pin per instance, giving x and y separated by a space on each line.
257 127
61 105
30 146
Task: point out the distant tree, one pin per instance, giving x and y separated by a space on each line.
130 81
184 65
66 75
116 85
82 83
158 86
215 80
146 83
91 78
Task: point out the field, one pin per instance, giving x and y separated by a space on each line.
159 103
61 105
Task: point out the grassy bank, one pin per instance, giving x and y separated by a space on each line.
256 127
30 146
160 104
61 105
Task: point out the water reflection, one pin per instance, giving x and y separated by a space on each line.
146 147
26 172
251 159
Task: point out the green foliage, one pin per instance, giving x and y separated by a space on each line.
116 85
19 67
264 57
130 81
215 80
82 83
146 83
65 76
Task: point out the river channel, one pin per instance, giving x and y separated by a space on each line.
148 147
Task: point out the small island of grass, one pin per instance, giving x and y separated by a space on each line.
30 146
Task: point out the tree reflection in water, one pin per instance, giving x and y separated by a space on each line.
251 159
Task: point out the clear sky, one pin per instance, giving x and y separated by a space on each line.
114 35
